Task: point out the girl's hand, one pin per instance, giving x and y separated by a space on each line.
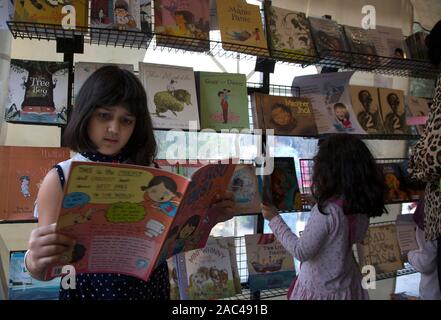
269 211
46 247
225 206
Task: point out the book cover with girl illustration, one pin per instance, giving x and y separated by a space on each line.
37 92
115 14
127 219
270 266
22 170
245 187
223 100
286 115
206 273
182 24
241 27
171 95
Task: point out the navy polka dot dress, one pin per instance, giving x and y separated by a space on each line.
112 286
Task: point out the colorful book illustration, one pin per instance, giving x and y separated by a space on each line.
331 102
223 100
286 115
51 11
388 42
366 107
128 219
270 266
22 286
241 27
359 42
22 170
392 110
414 188
171 95
245 187
380 249
183 24
84 69
289 35
116 14
206 274
418 112
395 185
37 92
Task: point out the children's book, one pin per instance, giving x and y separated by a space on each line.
22 170
361 45
6 13
173 278
37 92
128 219
241 27
270 266
389 42
119 15
395 186
146 15
285 115
330 98
171 95
417 112
84 69
380 249
414 188
183 24
51 11
206 274
406 233
392 111
223 100
366 107
245 187
289 35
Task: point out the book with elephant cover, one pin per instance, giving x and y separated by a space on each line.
128 219
171 95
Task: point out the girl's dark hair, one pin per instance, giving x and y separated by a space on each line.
344 167
193 221
106 87
433 43
169 184
281 106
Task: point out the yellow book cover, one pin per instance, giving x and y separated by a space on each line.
51 11
241 25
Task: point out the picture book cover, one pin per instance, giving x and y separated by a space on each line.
289 34
22 286
395 185
115 14
241 27
183 24
245 187
359 42
37 92
84 69
6 13
50 11
128 219
270 266
22 170
223 100
414 188
286 115
417 112
230 244
330 98
173 278
392 110
171 95
366 107
389 42
380 249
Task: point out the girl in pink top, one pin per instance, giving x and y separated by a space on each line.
348 188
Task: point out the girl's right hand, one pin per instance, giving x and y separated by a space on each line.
46 247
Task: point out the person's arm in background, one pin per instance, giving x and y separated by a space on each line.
424 258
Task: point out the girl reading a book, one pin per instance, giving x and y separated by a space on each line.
109 123
348 188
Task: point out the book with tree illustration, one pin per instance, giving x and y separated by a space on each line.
183 24
171 95
22 170
37 92
128 219
289 35
206 273
241 27
245 187
270 266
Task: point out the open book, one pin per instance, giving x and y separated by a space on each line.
127 219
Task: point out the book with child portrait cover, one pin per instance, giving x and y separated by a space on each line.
366 107
392 111
128 219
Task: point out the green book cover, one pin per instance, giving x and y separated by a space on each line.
223 101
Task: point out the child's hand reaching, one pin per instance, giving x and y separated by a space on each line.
269 211
225 206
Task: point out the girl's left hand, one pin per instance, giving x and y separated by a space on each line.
225 206
269 211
